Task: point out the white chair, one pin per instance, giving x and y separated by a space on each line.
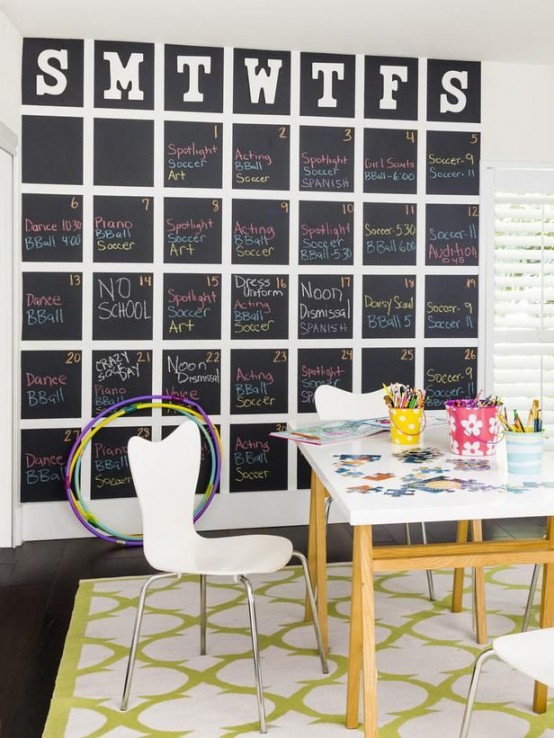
333 403
165 475
531 653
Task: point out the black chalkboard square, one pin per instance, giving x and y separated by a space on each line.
123 229
193 154
192 230
260 232
259 307
452 166
451 305
450 374
259 381
327 85
123 75
192 306
453 91
389 306
390 161
51 227
452 235
122 306
52 72
195 375
51 384
326 160
317 366
52 149
390 234
261 157
52 306
194 78
386 366
326 233
258 462
43 456
118 376
261 82
110 475
123 152
390 87
325 306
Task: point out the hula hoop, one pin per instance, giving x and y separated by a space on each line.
73 465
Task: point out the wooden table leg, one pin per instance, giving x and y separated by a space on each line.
312 541
362 647
478 601
462 531
540 694
355 638
317 555
369 646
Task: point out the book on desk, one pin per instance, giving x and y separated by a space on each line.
334 431
331 431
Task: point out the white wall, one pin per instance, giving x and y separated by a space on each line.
10 79
10 55
517 113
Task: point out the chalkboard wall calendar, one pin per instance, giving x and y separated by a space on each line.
248 232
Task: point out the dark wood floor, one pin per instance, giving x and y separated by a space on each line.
39 579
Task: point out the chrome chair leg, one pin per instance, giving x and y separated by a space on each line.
328 503
530 597
315 617
203 619
136 634
255 651
473 691
430 583
408 534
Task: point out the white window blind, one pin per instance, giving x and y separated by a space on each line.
523 296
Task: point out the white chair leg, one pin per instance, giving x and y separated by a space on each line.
473 691
315 618
530 597
203 619
255 651
136 634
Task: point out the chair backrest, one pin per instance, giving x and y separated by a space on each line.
333 403
165 475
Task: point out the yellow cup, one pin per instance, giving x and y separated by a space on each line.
406 425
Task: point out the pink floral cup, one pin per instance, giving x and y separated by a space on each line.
473 431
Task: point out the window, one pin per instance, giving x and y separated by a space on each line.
520 294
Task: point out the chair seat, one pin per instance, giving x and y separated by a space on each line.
229 556
531 653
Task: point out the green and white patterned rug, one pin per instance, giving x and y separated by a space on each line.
425 659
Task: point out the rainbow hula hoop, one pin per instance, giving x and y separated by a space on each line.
73 465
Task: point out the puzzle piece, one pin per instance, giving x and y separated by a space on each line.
470 464
379 476
364 488
357 458
418 455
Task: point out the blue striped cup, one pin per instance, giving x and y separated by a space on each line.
524 452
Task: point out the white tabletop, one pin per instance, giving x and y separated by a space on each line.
443 487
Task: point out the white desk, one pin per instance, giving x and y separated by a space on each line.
466 495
